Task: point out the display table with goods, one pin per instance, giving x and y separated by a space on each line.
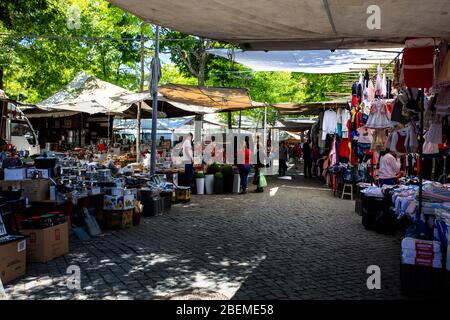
425 253
57 195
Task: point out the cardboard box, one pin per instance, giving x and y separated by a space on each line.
15 173
12 260
125 202
118 219
36 190
33 189
47 244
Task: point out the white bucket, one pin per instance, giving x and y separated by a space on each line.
209 183
200 183
236 183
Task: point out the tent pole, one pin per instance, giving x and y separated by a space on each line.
141 87
265 128
154 85
422 97
240 118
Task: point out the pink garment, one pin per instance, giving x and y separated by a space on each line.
365 135
370 91
378 85
332 156
389 166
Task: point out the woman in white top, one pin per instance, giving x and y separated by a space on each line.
389 168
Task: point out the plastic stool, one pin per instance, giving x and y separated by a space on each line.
344 193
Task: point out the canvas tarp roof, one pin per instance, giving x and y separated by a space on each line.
307 61
295 124
88 94
308 108
176 100
297 24
217 99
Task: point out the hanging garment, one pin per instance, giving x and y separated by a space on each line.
396 115
358 120
389 89
344 149
378 85
384 86
434 133
389 108
370 92
359 93
443 101
362 149
379 139
397 70
411 142
345 117
365 135
378 117
366 107
444 73
329 123
418 57
398 141
430 147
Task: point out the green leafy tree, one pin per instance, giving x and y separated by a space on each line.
73 35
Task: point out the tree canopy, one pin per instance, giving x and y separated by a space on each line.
45 43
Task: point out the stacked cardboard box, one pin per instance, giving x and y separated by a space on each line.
12 255
421 253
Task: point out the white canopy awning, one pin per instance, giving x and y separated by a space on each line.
88 94
308 61
298 24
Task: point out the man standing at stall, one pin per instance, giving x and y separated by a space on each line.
284 154
307 160
188 159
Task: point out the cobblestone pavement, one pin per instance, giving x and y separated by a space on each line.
294 241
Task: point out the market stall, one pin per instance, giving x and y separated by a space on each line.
388 148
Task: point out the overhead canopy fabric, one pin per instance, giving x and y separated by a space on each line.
217 99
308 61
295 124
298 24
309 108
88 94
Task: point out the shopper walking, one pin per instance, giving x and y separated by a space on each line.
244 167
188 159
284 154
389 168
307 160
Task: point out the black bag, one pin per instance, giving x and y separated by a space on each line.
397 114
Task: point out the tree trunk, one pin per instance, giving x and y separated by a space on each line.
203 59
1 78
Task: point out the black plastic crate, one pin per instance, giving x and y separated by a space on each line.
371 208
419 281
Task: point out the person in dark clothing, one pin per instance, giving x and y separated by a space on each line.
307 160
284 152
258 167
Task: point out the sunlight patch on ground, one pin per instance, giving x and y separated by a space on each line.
285 178
206 281
306 188
273 191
